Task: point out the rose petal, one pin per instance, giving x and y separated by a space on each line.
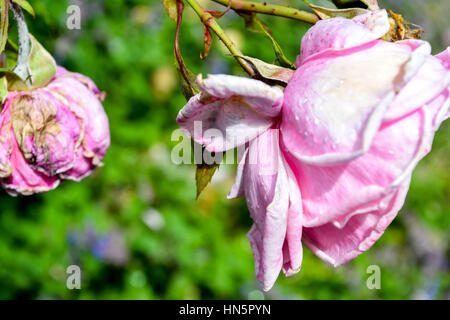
237 189
5 143
265 182
335 103
24 179
429 81
46 131
82 97
230 112
444 57
337 246
439 107
83 166
334 191
340 33
293 251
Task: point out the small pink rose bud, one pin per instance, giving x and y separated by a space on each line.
56 132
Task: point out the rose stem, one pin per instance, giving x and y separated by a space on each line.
211 23
271 9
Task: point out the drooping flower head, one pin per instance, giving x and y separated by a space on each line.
357 116
55 132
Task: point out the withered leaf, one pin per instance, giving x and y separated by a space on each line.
207 41
270 72
171 8
327 13
41 67
25 5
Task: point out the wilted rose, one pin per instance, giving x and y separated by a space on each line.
357 116
56 132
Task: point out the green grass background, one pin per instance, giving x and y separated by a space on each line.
134 226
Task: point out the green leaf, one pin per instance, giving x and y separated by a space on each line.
203 175
270 72
4 23
41 65
327 13
25 5
188 80
254 24
3 89
171 8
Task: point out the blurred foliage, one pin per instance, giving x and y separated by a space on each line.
135 228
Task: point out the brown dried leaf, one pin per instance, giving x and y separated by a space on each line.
207 41
269 71
171 8
327 13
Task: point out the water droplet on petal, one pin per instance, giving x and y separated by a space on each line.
353 134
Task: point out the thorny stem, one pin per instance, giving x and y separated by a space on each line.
271 9
209 21
180 8
21 68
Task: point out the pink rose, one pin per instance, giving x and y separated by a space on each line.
56 132
357 116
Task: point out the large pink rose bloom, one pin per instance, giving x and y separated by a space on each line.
56 132
357 116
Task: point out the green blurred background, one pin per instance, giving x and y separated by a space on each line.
135 228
